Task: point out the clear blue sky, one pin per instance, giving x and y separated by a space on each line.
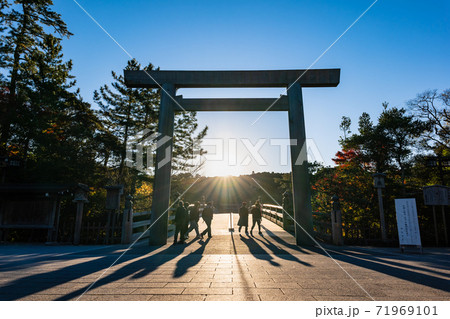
398 49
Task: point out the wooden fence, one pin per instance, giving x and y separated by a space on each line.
95 233
273 213
141 228
321 222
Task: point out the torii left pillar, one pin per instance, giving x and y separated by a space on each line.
163 168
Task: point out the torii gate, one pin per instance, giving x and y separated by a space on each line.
294 80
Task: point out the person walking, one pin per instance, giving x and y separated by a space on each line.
256 217
243 217
180 217
207 216
194 216
186 221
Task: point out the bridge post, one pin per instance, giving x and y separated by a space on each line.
287 209
127 221
336 221
299 162
163 169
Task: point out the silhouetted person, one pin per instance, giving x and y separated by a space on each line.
180 217
243 217
256 217
194 216
186 220
207 216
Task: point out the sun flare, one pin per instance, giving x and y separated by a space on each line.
222 170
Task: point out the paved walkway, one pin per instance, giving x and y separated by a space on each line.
226 267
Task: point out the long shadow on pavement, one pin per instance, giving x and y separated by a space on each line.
190 260
370 262
138 269
284 243
420 258
280 252
370 259
36 283
257 251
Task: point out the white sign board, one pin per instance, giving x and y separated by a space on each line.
407 222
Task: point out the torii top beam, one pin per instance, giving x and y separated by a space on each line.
227 104
233 79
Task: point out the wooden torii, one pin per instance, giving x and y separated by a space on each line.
293 80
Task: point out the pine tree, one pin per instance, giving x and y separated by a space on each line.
26 24
55 128
126 112
187 147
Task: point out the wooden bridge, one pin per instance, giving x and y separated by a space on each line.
229 266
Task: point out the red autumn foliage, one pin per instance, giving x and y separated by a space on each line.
345 156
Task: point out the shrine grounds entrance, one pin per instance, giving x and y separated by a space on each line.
292 80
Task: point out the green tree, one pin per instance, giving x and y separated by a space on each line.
386 146
432 108
346 122
25 23
126 112
389 144
187 146
55 129
371 145
353 185
402 131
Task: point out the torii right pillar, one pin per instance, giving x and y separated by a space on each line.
299 161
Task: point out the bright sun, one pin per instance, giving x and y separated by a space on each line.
221 169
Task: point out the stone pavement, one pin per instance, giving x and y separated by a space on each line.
226 267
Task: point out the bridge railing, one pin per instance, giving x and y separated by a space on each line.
274 213
140 227
321 222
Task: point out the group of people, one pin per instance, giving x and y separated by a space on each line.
187 217
256 211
